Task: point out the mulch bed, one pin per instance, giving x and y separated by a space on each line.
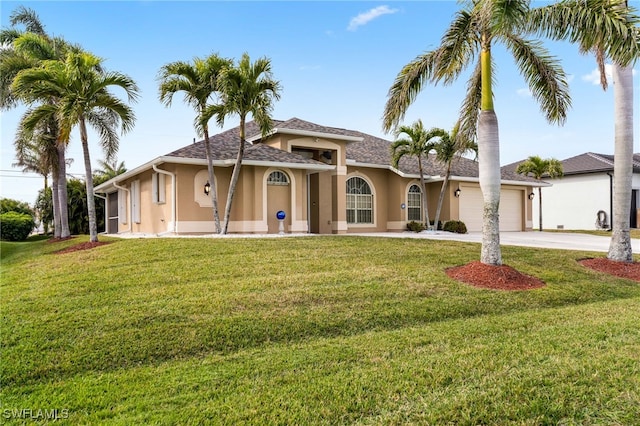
82 246
57 240
502 277
619 269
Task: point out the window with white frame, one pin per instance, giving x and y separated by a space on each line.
278 178
359 201
158 188
414 203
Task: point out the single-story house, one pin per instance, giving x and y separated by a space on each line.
327 180
583 197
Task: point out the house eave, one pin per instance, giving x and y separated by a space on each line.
309 133
108 185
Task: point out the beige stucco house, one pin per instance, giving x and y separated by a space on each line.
327 180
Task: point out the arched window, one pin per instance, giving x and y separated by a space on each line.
359 201
414 203
278 178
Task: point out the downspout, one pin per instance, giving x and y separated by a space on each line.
610 201
308 203
173 196
106 219
128 198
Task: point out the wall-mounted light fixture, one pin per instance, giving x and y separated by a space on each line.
457 192
207 188
531 196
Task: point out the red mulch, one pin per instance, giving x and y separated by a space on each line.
619 269
57 240
82 246
502 277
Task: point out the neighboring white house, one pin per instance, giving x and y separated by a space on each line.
582 198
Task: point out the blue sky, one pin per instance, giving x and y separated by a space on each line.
335 61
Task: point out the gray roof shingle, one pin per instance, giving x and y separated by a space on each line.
370 150
589 162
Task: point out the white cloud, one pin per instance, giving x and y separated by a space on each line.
594 76
524 92
366 17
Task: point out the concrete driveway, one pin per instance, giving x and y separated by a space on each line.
553 240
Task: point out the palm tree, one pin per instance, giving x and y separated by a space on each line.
245 89
450 147
418 143
476 28
37 152
82 97
621 43
108 170
537 167
198 81
28 49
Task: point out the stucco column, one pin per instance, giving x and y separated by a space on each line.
339 192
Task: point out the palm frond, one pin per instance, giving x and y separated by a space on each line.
545 77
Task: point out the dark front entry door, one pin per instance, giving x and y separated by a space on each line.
112 225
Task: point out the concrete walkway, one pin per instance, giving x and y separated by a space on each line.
553 240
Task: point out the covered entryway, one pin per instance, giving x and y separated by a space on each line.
511 208
278 198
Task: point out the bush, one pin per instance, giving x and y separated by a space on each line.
9 205
15 226
415 226
455 226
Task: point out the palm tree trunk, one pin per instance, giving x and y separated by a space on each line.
443 190
489 164
212 180
63 204
620 247
540 207
234 178
489 176
424 193
91 202
56 205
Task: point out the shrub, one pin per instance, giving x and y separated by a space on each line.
15 226
9 205
415 226
455 226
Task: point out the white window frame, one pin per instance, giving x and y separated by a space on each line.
279 178
411 203
359 203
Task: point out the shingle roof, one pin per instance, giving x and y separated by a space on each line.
589 162
370 150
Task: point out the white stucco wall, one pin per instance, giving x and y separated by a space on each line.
573 202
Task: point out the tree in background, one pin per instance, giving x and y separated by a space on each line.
199 83
417 143
450 147
537 168
26 49
475 30
81 91
245 89
621 44
108 170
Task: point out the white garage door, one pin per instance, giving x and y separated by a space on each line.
471 205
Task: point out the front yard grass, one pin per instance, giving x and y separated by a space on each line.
314 330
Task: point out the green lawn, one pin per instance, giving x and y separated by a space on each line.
312 330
